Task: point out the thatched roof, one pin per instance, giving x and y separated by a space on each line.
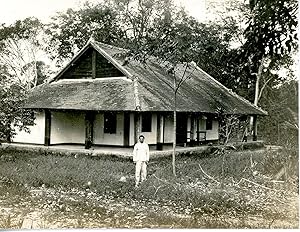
97 94
145 87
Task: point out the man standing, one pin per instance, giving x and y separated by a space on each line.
141 158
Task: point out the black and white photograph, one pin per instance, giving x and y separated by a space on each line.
149 114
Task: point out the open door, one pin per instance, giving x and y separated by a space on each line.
181 128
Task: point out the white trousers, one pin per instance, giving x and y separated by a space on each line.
140 171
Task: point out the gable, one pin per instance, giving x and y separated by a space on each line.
90 65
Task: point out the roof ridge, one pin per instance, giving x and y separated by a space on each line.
108 45
230 91
136 94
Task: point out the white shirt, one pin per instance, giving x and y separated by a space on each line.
141 152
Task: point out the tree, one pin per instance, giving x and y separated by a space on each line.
270 41
173 41
271 35
12 115
177 40
69 31
228 124
20 70
21 48
281 125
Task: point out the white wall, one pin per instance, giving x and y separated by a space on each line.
67 127
214 133
151 137
131 130
168 130
37 131
161 137
210 134
202 127
102 138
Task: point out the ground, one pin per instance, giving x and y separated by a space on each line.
227 190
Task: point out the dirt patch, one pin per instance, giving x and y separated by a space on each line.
62 208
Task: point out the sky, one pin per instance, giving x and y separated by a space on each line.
12 10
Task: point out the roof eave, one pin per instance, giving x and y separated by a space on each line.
262 112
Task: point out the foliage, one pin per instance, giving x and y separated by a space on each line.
159 28
70 30
272 28
12 116
21 46
20 70
271 38
281 125
229 126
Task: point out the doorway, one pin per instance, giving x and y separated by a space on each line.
181 129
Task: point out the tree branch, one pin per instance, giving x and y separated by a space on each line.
208 175
263 87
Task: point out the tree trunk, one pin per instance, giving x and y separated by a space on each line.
174 146
256 94
174 128
258 77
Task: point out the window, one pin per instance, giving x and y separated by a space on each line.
208 124
110 123
146 122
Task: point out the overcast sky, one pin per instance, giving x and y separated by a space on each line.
11 10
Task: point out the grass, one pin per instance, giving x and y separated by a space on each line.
224 200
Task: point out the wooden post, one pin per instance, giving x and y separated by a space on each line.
198 134
160 132
89 118
8 135
126 129
255 128
47 128
192 134
94 59
189 126
137 126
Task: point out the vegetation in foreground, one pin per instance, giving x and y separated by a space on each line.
225 190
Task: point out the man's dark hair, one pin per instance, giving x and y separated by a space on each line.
141 136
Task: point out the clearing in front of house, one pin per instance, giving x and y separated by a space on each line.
226 189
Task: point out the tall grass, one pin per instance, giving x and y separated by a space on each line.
191 192
74 171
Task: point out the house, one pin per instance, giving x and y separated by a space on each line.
101 98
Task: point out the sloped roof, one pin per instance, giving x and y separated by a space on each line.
146 87
97 94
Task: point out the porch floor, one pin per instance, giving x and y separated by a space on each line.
104 150
96 150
